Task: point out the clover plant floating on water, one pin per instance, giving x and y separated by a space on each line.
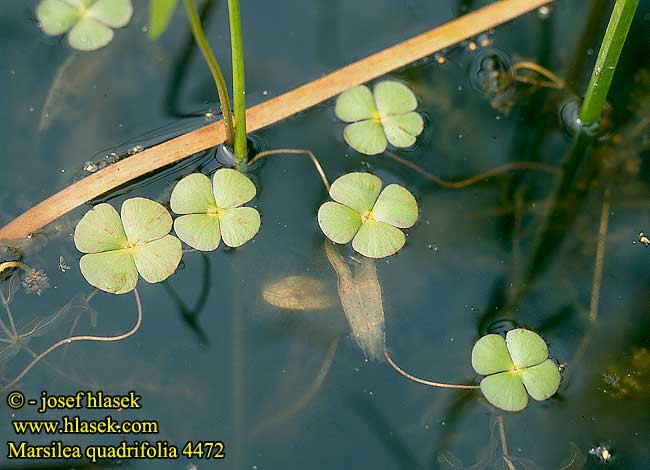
515 368
119 246
385 115
88 23
210 210
370 219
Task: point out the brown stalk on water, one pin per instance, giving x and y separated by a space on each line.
426 382
269 112
72 339
553 80
309 153
473 179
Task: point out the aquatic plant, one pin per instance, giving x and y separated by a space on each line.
210 211
368 216
387 114
118 247
515 368
160 14
235 123
608 55
89 23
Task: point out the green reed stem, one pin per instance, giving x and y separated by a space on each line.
238 84
215 70
610 51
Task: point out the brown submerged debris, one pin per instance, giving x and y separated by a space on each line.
360 294
35 281
630 377
298 293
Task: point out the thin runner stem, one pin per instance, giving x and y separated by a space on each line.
213 65
307 397
554 80
596 280
504 443
72 339
309 153
535 166
426 382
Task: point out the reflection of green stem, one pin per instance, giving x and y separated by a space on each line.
239 96
206 50
610 51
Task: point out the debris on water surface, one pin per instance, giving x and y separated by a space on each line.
298 293
602 453
63 266
35 281
360 295
629 377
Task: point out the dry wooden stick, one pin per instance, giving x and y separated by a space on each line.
267 113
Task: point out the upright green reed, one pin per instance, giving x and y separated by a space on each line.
235 124
610 51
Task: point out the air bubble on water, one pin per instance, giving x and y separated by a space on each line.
590 51
135 149
191 466
490 73
209 115
484 40
31 109
90 167
571 122
460 88
145 29
254 467
544 12
438 57
265 92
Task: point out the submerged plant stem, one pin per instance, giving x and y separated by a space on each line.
473 179
309 153
596 283
72 339
313 389
426 382
504 443
610 51
238 82
215 70
553 80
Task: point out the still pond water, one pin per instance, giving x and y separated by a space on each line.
287 389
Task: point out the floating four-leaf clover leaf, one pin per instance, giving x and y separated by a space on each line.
515 368
89 22
119 247
370 219
210 211
385 115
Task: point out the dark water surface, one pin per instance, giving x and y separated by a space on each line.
290 389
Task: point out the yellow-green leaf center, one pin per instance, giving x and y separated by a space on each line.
367 217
